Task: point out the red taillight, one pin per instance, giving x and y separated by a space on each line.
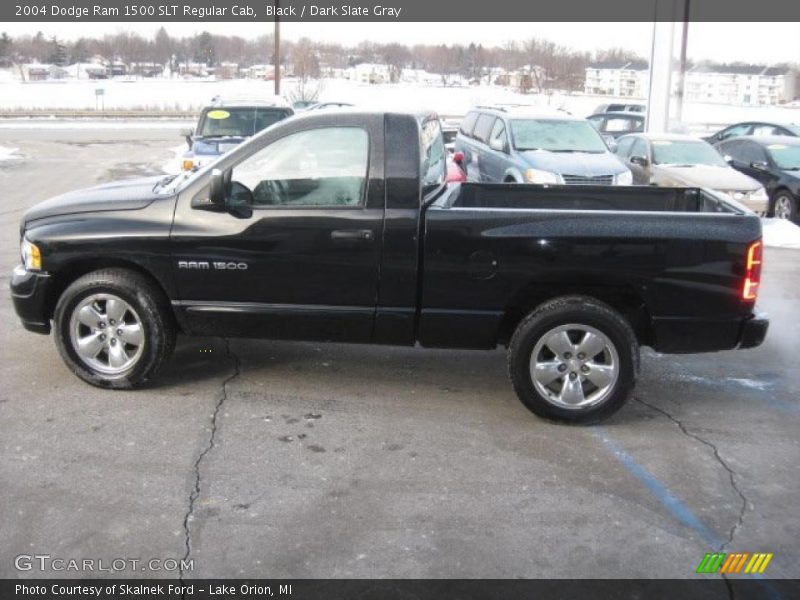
752 274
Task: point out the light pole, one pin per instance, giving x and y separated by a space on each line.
277 53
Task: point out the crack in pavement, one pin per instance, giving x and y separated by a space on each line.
195 493
731 473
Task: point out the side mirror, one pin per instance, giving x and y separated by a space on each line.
212 197
728 159
187 135
458 158
640 161
240 196
497 144
759 166
216 188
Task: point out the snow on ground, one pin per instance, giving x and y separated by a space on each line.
89 123
779 233
8 153
174 165
193 94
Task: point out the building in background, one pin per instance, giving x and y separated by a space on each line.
741 85
618 78
747 85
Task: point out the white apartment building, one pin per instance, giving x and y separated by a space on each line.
618 78
743 85
746 85
369 73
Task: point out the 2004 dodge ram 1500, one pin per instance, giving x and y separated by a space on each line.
339 227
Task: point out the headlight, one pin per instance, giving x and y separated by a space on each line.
624 178
31 256
537 176
760 195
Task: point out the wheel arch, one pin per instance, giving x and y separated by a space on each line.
73 270
623 298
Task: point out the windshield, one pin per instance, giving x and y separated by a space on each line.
238 122
667 152
556 136
785 157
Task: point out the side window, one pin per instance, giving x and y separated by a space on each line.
483 127
618 124
597 121
639 148
764 129
318 167
624 146
468 123
432 169
740 129
499 134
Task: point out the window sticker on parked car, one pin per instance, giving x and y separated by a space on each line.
218 114
777 146
661 143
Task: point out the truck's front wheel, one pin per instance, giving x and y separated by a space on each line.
573 359
112 328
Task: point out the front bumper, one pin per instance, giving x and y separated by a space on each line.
29 291
754 330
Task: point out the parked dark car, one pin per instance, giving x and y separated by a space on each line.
340 227
775 162
612 125
675 160
529 145
627 107
757 128
225 124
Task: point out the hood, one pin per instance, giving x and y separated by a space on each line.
215 145
725 179
131 194
585 164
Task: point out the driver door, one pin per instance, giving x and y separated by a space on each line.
300 259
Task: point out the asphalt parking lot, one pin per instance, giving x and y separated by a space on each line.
278 459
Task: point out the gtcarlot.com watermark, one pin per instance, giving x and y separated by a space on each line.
48 563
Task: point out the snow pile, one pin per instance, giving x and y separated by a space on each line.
8 153
779 233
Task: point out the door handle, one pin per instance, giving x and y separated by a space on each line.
352 235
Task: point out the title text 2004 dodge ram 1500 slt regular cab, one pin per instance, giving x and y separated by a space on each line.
339 227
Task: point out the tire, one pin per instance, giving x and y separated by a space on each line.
605 364
784 206
108 352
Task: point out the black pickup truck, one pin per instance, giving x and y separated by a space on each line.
340 227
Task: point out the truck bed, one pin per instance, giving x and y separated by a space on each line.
674 257
564 197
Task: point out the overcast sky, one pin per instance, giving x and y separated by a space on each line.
723 42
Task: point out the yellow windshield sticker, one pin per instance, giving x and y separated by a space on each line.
777 146
218 114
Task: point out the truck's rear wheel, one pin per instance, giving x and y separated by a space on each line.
573 359
112 328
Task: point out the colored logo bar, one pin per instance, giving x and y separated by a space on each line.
735 562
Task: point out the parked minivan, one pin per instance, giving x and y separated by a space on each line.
530 145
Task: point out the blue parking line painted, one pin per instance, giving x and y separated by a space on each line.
676 508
